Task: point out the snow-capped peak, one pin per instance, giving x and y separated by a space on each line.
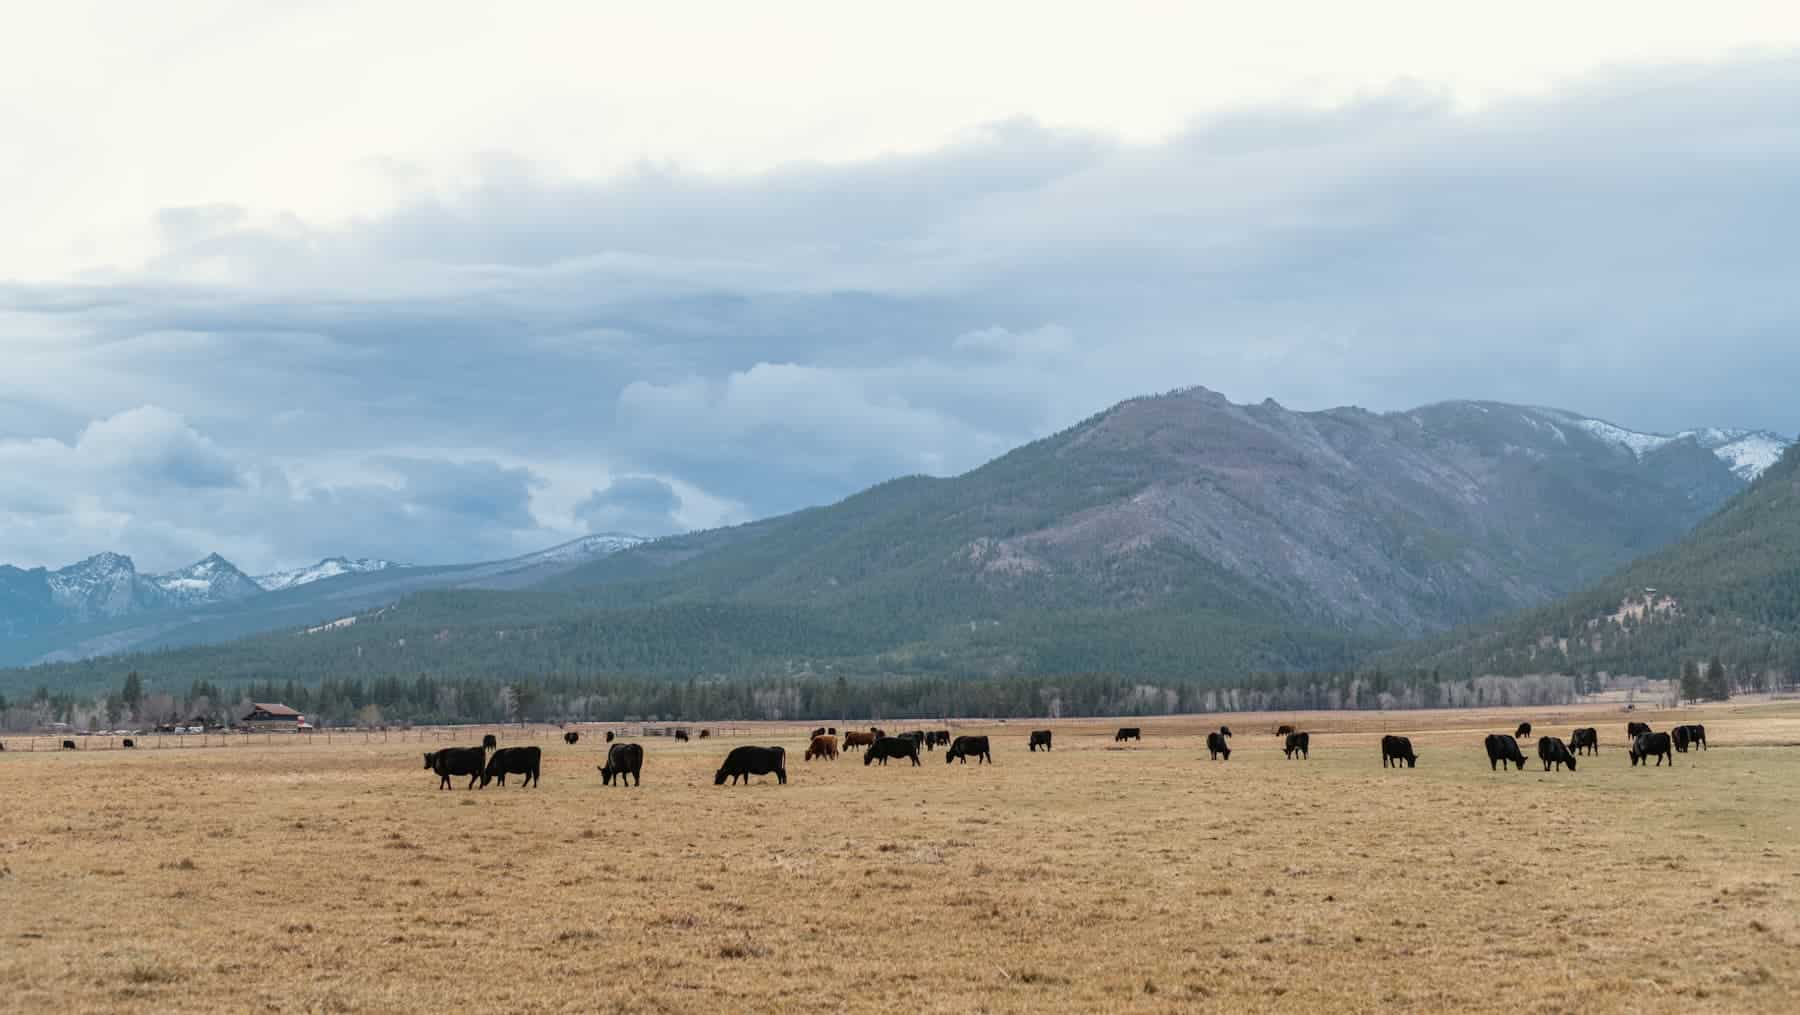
211 579
597 545
330 567
1746 452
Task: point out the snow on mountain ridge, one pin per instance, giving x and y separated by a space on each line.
1746 452
329 567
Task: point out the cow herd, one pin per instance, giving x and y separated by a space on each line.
625 761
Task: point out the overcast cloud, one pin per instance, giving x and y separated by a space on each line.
537 355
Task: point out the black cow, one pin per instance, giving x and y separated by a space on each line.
744 762
1502 749
892 747
1040 738
1297 743
830 731
1554 753
1645 746
68 745
571 738
490 742
1687 736
623 760
1283 730
523 761
1394 750
917 737
964 748
681 735
705 733
129 743
469 761
1585 740
818 732
1127 733
1216 745
937 738
1632 729
1523 731
609 736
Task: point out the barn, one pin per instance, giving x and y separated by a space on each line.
266 718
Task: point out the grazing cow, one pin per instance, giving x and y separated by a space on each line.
129 743
1040 738
744 762
1127 733
1283 730
490 742
964 748
831 731
1585 740
1502 749
609 736
819 732
1522 732
853 740
1394 750
681 735
571 738
469 761
623 760
1217 745
917 737
523 761
1686 736
878 732
1554 753
68 745
1632 729
892 747
1297 743
1645 746
823 746
705 733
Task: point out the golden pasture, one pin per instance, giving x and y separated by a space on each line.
278 877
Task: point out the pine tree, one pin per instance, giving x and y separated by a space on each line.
1691 687
1718 687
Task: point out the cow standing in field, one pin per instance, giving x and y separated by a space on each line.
523 761
609 736
1297 743
1522 732
1651 745
854 740
817 732
1502 749
1283 730
469 761
744 762
964 748
681 735
823 746
1128 733
571 738
129 744
68 745
892 747
705 733
490 742
917 737
623 760
1553 752
1040 738
1217 745
1633 729
1585 740
1395 749
1688 736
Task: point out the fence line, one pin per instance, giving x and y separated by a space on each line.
33 742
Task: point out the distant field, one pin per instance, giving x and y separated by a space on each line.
336 877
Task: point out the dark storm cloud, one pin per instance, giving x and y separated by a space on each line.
1621 247
638 505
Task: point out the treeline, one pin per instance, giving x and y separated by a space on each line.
425 699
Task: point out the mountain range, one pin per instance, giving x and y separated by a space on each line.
103 605
1179 534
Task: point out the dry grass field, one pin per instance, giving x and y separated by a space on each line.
1094 878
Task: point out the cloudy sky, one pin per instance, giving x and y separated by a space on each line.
445 281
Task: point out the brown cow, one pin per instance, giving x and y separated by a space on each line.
823 746
853 740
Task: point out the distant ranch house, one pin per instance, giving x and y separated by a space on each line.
264 718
